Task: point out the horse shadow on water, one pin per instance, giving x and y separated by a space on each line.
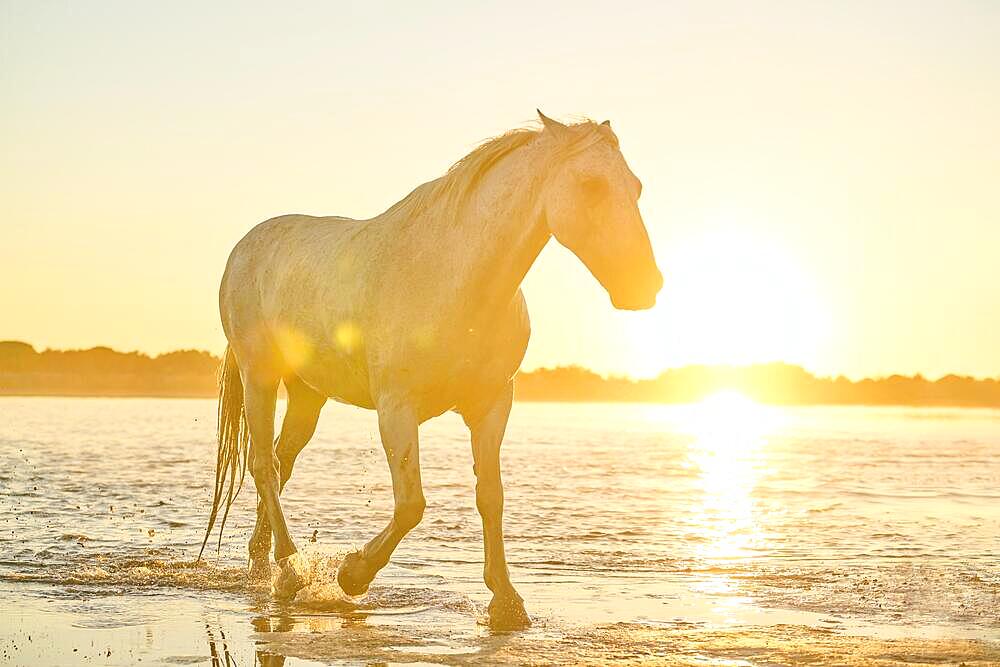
413 313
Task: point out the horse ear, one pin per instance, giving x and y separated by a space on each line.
553 126
606 123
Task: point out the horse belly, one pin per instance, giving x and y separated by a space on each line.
338 378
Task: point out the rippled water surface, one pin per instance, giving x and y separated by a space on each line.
620 519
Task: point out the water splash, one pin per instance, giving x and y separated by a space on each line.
143 571
322 592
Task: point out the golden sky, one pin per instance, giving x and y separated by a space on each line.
820 179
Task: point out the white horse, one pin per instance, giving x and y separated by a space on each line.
412 313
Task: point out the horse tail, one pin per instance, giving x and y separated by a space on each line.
234 445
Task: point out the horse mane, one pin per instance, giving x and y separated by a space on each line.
450 192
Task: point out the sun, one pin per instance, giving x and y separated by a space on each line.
731 296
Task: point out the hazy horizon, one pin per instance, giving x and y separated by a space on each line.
560 367
819 180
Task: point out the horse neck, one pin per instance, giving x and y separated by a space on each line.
499 233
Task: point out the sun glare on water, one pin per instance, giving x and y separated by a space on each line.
727 438
729 421
730 434
727 455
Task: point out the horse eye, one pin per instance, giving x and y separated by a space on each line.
595 188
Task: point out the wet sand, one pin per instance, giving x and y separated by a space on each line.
180 613
159 628
681 644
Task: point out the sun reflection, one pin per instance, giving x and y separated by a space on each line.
730 421
730 432
728 455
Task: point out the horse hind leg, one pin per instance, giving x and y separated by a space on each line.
297 428
260 392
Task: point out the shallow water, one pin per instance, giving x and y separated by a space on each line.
641 525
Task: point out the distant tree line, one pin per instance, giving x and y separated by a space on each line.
101 371
774 383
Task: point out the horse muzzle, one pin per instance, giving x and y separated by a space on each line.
638 294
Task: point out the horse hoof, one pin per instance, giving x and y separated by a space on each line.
289 581
351 575
507 613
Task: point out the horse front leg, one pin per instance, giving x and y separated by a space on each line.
397 425
259 397
506 610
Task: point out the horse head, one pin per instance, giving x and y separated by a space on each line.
590 202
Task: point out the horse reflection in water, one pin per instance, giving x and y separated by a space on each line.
218 648
223 656
265 624
412 313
